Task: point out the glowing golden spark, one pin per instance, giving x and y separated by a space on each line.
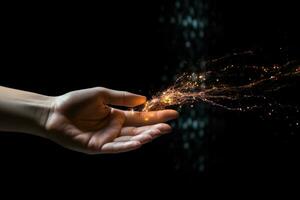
214 88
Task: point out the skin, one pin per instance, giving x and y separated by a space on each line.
84 120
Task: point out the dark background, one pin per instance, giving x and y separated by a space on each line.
135 46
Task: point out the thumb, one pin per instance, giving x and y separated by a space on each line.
121 98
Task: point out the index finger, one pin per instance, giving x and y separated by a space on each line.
121 98
134 118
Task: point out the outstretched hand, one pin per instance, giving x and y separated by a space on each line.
84 121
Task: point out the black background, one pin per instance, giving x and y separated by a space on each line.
55 48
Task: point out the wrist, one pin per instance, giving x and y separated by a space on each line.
22 111
41 108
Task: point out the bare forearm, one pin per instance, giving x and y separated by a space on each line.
22 111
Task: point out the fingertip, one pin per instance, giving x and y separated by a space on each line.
141 99
170 114
175 113
164 128
121 98
137 99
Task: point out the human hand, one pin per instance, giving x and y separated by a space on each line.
83 121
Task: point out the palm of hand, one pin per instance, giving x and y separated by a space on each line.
82 121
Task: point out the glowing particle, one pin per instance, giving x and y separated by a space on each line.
219 88
167 99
